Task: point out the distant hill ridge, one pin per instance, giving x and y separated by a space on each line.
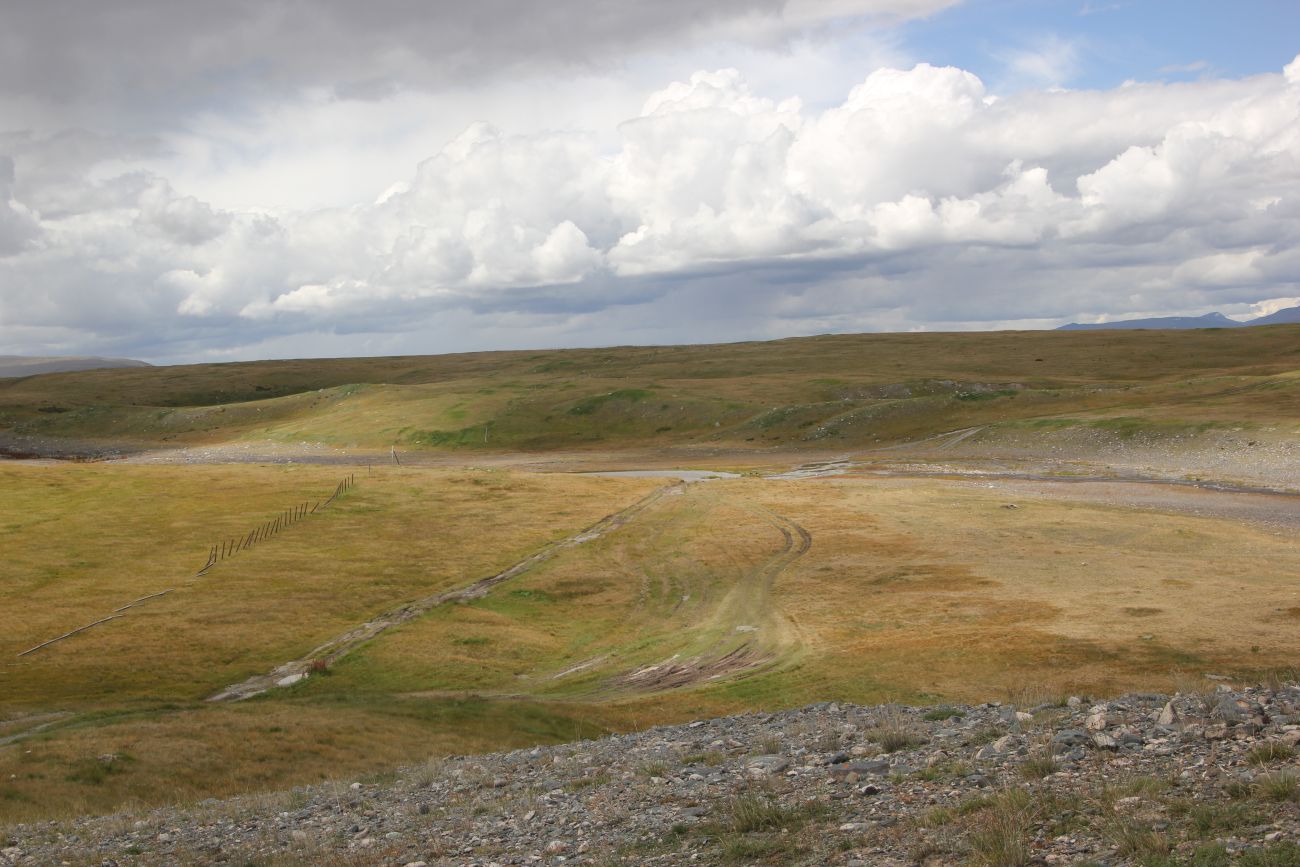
1286 316
31 365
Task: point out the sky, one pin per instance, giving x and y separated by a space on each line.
194 181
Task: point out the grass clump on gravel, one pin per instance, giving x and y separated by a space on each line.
940 714
748 813
893 732
1001 837
1272 751
1281 786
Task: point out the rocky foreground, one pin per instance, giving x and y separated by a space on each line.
1202 779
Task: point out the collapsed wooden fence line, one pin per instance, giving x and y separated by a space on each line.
144 599
223 550
69 634
228 548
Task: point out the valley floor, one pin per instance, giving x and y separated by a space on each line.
442 606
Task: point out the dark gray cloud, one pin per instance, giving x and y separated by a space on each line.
18 227
178 54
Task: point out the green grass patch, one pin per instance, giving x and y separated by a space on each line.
590 405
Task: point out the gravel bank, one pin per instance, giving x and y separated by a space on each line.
1210 775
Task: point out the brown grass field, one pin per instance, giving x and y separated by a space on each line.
820 392
920 585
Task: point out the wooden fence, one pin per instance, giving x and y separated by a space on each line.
230 547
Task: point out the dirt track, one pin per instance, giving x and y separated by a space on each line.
746 610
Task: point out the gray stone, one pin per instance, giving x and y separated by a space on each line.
1064 741
999 747
1104 741
854 771
768 764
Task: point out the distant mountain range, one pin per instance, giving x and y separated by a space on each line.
30 365
1286 316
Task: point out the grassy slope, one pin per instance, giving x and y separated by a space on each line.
915 591
81 540
831 390
909 591
919 591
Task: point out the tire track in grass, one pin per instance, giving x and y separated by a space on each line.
750 597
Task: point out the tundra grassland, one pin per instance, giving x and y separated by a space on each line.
825 392
722 596
83 540
924 570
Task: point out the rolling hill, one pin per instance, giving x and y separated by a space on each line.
33 365
829 391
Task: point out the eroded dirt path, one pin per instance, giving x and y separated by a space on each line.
1266 509
22 727
336 648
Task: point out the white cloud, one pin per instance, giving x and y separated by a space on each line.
919 199
1272 305
1049 62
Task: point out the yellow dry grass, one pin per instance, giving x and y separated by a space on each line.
927 587
912 589
705 603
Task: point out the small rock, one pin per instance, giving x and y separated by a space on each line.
765 765
1001 746
1104 741
556 847
854 771
1216 732
1067 740
1126 735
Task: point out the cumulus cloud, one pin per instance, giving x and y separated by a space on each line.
920 200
